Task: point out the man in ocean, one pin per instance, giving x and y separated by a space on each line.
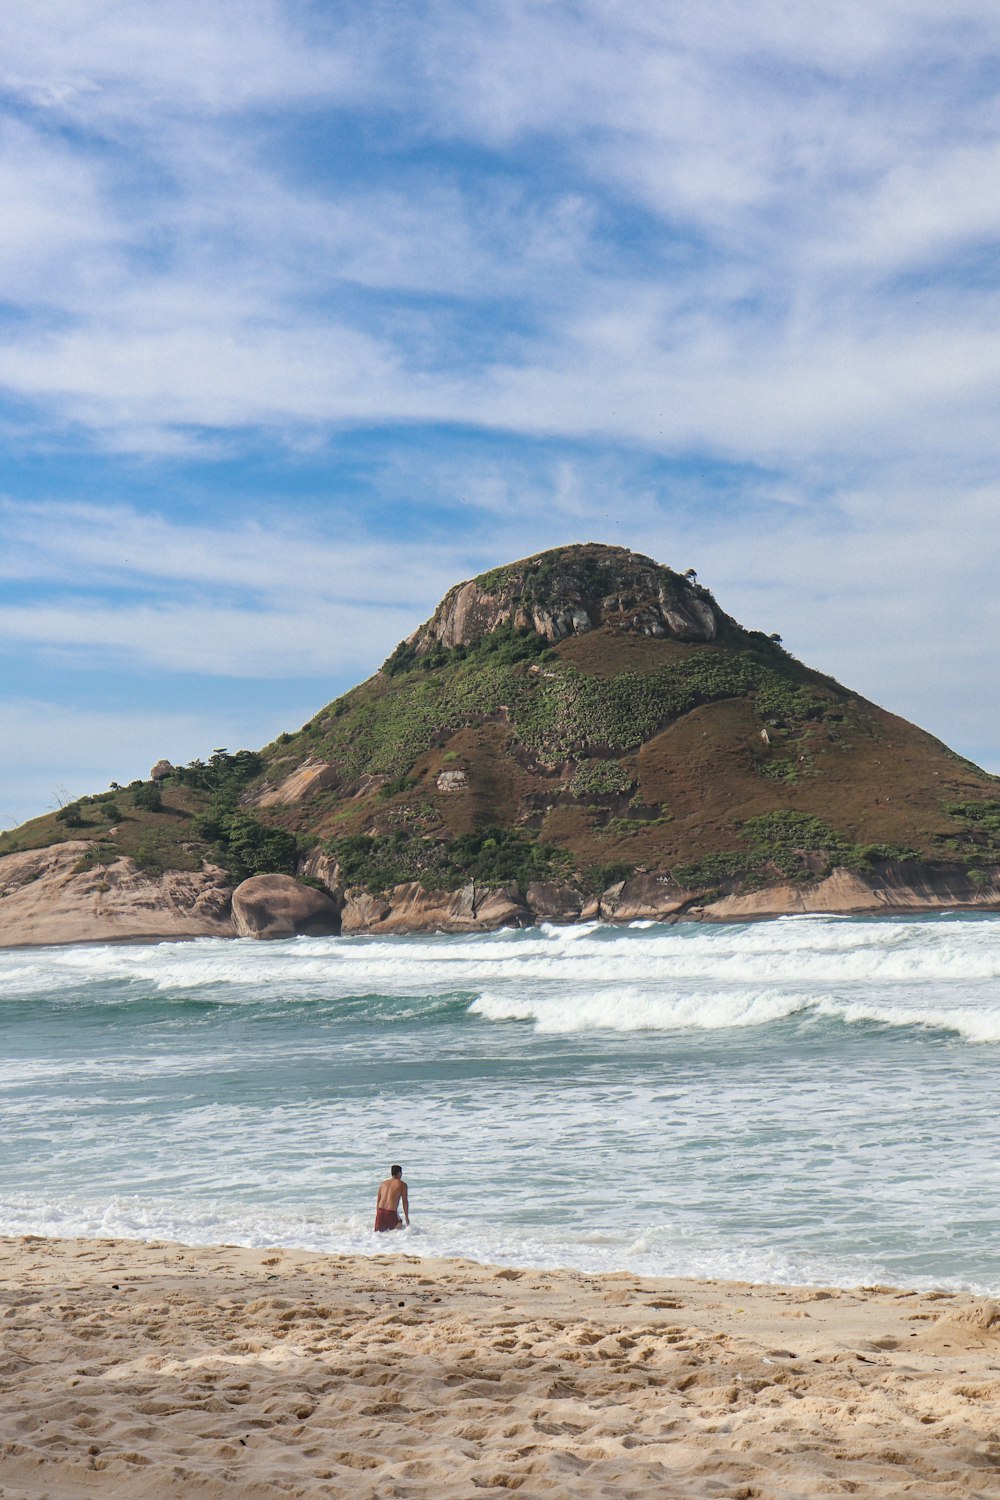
391 1193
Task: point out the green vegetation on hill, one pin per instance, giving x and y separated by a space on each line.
175 823
601 778
553 708
237 840
490 856
789 844
503 647
977 839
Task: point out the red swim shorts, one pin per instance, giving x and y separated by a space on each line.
387 1218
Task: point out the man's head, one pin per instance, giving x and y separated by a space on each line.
396 1171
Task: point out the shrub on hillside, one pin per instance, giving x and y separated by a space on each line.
71 815
491 856
148 797
245 846
601 778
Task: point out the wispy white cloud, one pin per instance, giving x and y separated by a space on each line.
144 60
763 233
804 165
124 547
246 600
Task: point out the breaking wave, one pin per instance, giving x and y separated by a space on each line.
938 972
803 1094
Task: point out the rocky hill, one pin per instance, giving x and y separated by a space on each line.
584 733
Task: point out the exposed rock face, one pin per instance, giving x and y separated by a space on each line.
452 781
162 769
554 901
651 897
278 906
644 898
897 888
323 867
570 592
311 777
411 908
45 898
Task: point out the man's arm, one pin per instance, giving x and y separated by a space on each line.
406 1206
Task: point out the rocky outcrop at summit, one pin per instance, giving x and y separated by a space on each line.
570 592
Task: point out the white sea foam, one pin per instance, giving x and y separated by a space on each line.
928 973
811 951
798 1087
612 1009
973 1023
654 1249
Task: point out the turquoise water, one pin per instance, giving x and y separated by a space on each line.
802 1100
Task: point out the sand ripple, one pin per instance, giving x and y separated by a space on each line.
154 1371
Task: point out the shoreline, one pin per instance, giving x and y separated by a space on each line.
700 919
48 901
421 1246
152 1369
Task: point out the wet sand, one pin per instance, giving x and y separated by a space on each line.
154 1370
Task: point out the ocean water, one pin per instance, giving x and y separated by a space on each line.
806 1100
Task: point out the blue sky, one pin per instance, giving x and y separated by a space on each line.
309 310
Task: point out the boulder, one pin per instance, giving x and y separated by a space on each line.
363 912
503 907
411 908
452 781
161 770
554 901
278 906
644 898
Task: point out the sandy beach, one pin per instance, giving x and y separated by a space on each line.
158 1370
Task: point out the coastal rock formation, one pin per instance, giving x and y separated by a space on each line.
554 901
411 908
278 906
571 592
54 895
644 898
318 865
897 889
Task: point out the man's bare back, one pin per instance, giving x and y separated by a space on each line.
391 1193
